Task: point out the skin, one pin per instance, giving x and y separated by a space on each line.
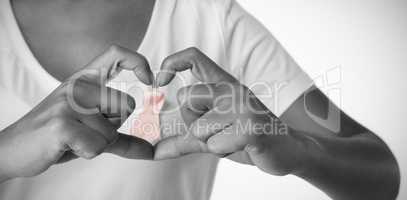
58 129
65 35
55 32
351 163
309 149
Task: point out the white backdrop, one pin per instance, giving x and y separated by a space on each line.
357 50
365 41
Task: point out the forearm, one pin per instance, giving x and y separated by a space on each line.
357 167
3 161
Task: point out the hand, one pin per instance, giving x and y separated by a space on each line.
78 119
225 118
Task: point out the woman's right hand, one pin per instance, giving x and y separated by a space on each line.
76 120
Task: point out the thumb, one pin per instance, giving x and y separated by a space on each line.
257 155
262 156
176 146
131 147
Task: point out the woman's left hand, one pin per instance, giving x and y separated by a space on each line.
225 118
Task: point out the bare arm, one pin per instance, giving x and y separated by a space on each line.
347 161
321 144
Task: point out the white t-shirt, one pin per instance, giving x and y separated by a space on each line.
221 29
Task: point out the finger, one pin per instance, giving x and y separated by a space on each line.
131 147
114 103
176 146
240 157
84 141
198 97
99 123
229 140
210 124
109 101
188 116
112 61
197 102
194 101
202 67
258 155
